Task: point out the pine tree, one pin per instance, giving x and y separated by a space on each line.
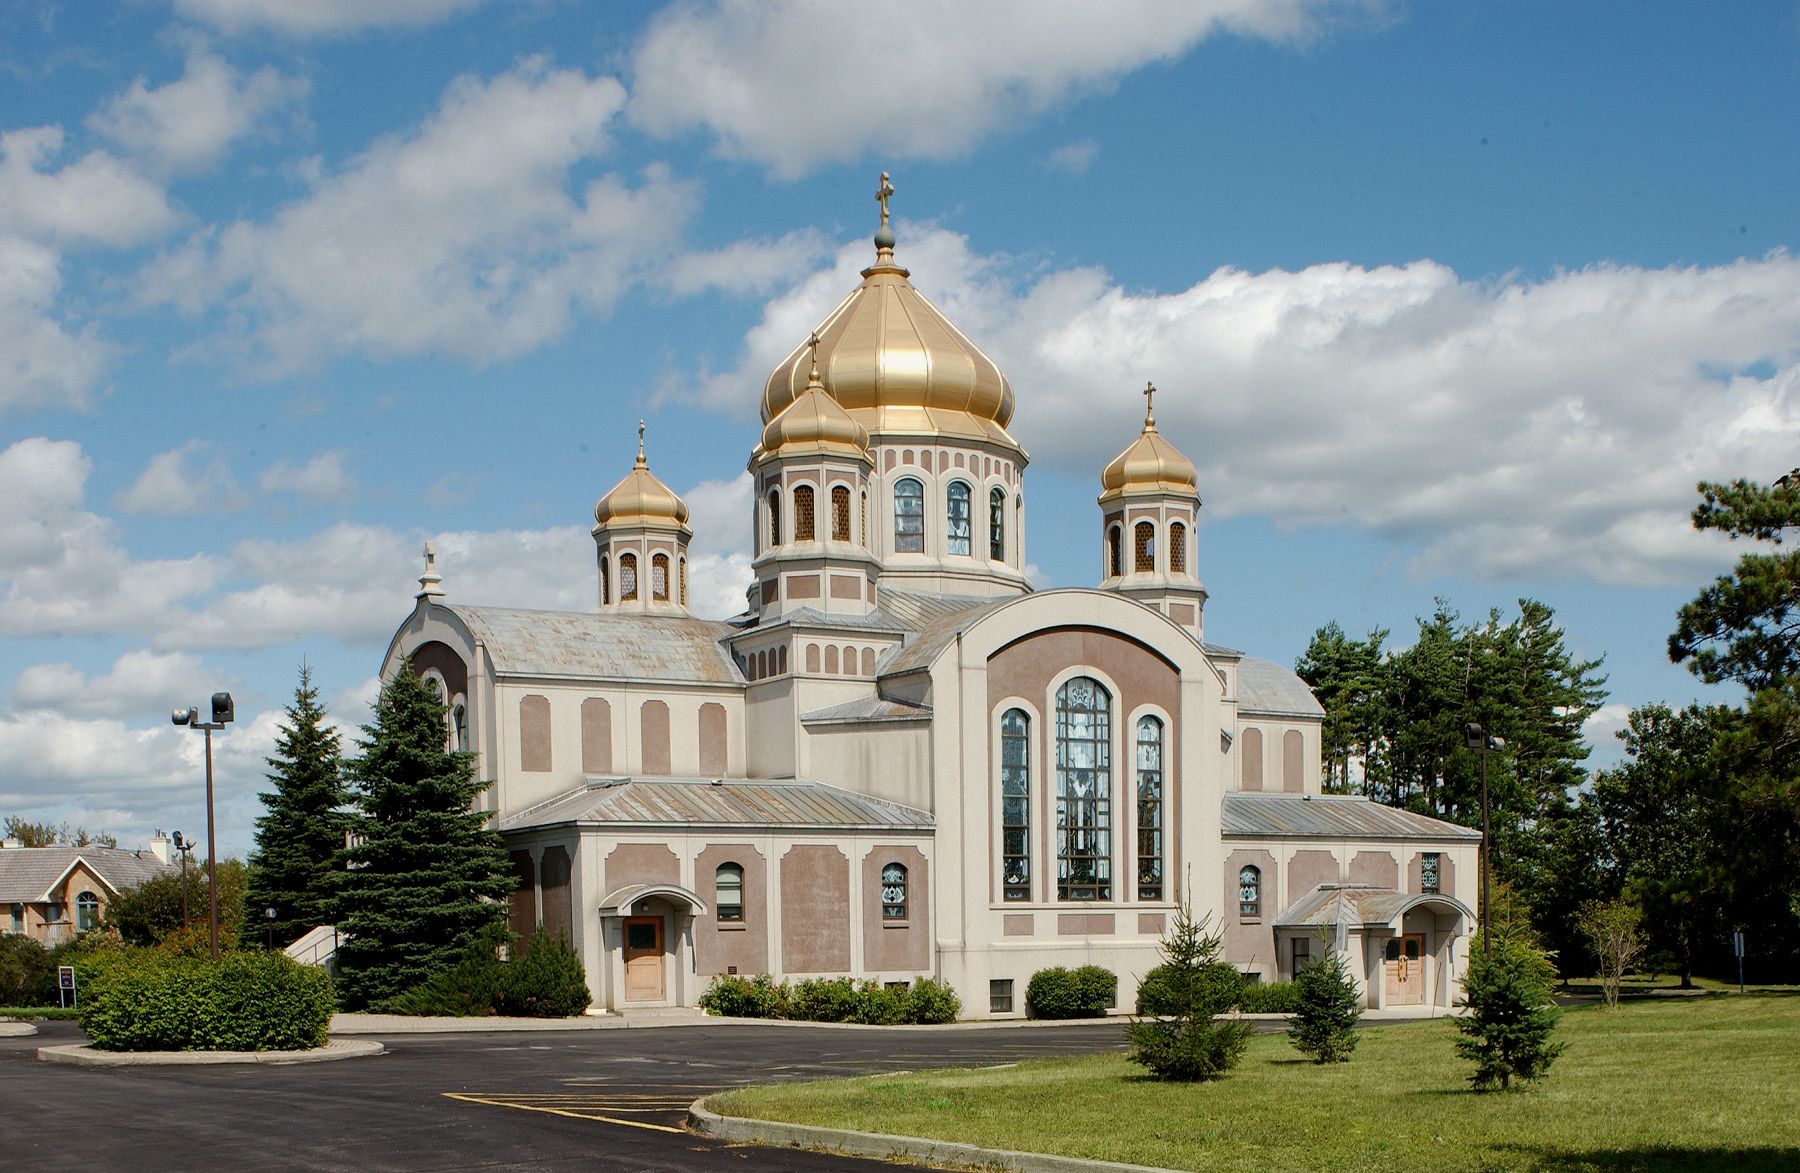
1183 994
1506 1032
429 875
298 863
1325 1025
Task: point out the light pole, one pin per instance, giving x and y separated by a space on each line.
1477 739
183 846
222 713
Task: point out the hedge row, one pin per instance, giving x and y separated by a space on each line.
1269 998
253 1001
831 1000
545 981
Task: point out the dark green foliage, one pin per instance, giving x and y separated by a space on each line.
252 1001
876 1005
731 996
430 874
824 1000
472 988
867 1002
30 834
1324 1022
1182 1041
298 863
150 913
547 981
27 975
932 1002
1083 992
1506 1032
1746 626
1269 998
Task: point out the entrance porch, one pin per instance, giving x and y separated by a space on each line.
647 946
1401 947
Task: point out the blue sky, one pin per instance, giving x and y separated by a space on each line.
1443 300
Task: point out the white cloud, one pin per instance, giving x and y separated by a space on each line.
719 556
140 682
1516 428
1075 158
795 84
177 483
460 239
187 124
320 18
46 363
745 267
321 479
97 199
1601 729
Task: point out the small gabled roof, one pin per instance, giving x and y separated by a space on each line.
1330 816
28 875
1352 905
700 802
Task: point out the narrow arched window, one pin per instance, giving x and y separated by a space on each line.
909 516
803 513
997 525
605 593
893 892
659 577
1083 791
1114 566
627 578
1177 548
87 912
774 517
459 725
1150 808
840 513
728 893
684 582
1015 805
862 516
1143 545
956 511
1249 893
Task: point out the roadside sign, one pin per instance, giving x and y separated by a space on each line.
65 984
1737 948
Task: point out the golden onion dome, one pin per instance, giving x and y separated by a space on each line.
896 363
814 423
1149 465
641 499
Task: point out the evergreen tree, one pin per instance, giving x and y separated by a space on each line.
298 863
429 875
1325 1025
1345 674
1506 1032
1182 1041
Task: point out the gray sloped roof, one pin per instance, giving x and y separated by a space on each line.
585 645
1330 816
875 620
864 709
1265 687
935 634
28 873
1326 905
665 802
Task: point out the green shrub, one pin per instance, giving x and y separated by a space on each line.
877 1005
1324 1025
473 988
1083 992
932 1002
825 1000
547 981
1170 989
1182 1040
145 1001
1507 1030
27 977
731 996
1269 998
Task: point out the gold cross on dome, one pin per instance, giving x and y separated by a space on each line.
1149 394
640 458
813 342
881 197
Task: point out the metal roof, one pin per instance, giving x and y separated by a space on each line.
1327 905
1330 816
27 874
936 634
636 802
1265 687
810 617
585 645
863 709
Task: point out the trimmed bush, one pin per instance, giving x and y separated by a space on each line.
731 996
865 1002
252 1001
932 1002
1269 998
824 1000
546 982
876 1005
1083 992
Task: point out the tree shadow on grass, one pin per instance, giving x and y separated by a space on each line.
1657 1159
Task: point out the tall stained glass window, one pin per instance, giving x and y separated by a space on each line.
957 517
1015 805
1249 893
909 516
1150 808
1083 791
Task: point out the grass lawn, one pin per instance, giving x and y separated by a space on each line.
1657 1086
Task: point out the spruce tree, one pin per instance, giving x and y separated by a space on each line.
1179 1038
429 874
298 862
1508 991
1325 1025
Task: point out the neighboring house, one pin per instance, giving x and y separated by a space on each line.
901 759
52 894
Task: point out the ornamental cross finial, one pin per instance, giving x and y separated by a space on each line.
881 197
430 585
1149 414
640 458
813 342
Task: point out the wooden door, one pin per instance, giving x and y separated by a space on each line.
644 959
1404 961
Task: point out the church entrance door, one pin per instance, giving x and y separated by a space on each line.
1404 961
644 959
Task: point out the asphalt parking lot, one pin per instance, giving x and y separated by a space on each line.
607 1100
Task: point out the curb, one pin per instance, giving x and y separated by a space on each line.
936 1153
17 1030
82 1055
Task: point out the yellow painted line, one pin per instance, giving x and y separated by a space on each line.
566 1112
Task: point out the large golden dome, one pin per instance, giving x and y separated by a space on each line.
641 499
1149 465
897 364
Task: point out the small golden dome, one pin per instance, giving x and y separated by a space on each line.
1149 465
894 362
814 423
641 499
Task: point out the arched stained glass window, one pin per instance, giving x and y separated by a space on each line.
728 893
803 513
956 509
87 912
1150 808
627 578
1143 545
1177 548
893 892
997 525
1015 805
1249 893
840 513
909 516
1083 791
659 577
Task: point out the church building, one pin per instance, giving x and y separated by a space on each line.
900 759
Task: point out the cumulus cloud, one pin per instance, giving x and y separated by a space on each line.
719 556
929 82
321 479
95 200
744 267
320 18
140 682
1509 428
188 123
47 363
182 482
461 238
1075 158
